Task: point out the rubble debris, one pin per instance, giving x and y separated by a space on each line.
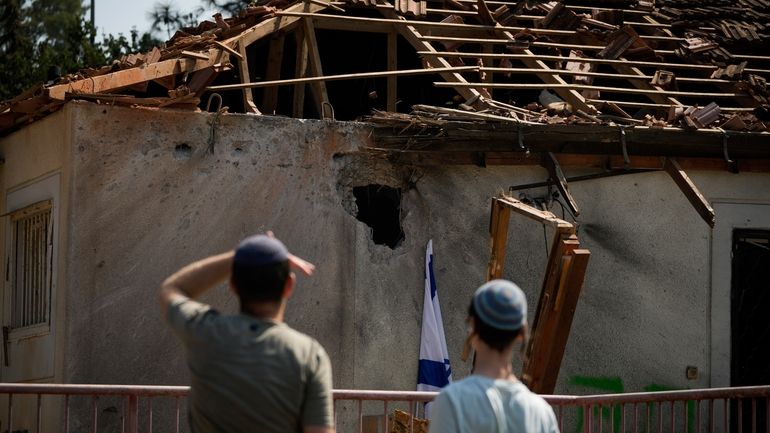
660 55
401 423
697 118
664 79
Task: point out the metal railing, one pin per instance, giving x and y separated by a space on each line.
743 409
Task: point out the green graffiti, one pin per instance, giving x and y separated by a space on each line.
609 385
614 385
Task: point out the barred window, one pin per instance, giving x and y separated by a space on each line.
31 263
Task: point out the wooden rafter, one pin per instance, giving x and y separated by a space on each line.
696 198
316 69
128 77
275 24
392 66
243 69
273 72
300 71
415 38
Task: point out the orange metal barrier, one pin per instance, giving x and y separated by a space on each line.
688 411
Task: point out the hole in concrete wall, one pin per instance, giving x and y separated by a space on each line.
182 151
379 207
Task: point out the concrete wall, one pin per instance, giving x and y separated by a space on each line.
149 197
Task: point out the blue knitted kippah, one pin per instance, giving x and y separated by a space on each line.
260 250
501 304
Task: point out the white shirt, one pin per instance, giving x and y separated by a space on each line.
467 407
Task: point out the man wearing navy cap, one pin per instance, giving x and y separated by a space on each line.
492 399
250 372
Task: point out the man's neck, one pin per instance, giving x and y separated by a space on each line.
265 310
494 364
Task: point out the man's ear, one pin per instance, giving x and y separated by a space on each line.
288 286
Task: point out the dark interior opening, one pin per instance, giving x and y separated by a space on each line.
379 207
750 302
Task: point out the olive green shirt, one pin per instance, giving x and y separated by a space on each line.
251 375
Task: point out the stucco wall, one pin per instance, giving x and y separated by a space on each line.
143 206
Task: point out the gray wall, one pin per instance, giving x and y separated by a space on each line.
140 209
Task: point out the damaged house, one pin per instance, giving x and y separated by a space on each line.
359 130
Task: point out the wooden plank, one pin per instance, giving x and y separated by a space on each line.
657 94
683 181
301 65
544 57
631 76
243 69
392 66
194 55
275 24
562 316
542 326
575 86
121 79
320 95
543 217
273 72
229 50
498 230
414 37
354 76
382 24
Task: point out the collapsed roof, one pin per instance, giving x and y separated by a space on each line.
656 63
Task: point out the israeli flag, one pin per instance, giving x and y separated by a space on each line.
434 371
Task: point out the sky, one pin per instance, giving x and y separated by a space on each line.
119 16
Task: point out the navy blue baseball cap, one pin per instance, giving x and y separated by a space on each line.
260 250
501 304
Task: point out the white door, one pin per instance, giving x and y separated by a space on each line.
30 282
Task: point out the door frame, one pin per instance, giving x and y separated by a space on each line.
729 216
43 188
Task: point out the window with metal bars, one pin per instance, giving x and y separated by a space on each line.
31 265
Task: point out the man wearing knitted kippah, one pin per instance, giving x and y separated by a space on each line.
492 399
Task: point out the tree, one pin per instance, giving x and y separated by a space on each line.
43 39
164 16
230 6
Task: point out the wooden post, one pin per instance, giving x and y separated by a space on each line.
274 62
498 230
300 72
319 87
243 68
544 362
487 63
392 66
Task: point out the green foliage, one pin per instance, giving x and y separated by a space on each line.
231 7
165 17
42 39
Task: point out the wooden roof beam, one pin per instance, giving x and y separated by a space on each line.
128 77
683 181
414 37
277 23
316 69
